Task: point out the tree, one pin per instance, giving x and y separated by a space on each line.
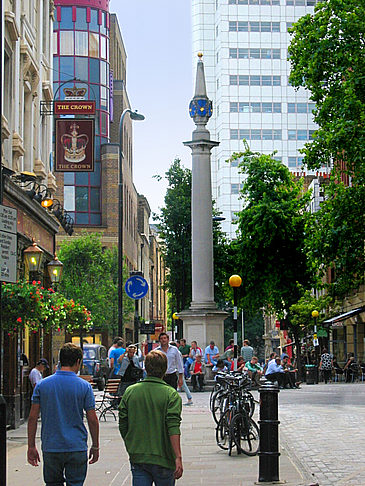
327 58
90 277
269 247
174 223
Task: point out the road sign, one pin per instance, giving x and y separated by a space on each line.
147 328
315 342
136 287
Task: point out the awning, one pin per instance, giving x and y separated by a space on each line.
346 315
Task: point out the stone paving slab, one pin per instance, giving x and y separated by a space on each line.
325 432
204 463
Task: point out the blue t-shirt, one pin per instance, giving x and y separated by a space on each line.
63 397
212 352
115 354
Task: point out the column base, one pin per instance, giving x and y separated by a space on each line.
204 325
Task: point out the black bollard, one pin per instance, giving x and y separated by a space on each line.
269 434
2 441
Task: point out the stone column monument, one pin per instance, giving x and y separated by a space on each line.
203 322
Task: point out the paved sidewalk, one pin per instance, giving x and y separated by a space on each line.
204 462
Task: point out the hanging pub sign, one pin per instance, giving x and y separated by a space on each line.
75 107
74 145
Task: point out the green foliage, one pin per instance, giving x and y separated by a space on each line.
269 248
300 313
30 304
175 230
335 238
90 277
327 58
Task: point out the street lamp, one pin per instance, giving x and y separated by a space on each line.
138 117
235 281
175 318
315 315
33 257
55 268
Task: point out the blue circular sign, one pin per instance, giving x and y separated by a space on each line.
136 287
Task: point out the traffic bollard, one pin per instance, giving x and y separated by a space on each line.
2 441
269 434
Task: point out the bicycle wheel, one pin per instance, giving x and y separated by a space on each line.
219 405
222 432
245 433
251 401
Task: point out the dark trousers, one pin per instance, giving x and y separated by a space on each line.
59 467
279 377
197 381
327 374
171 380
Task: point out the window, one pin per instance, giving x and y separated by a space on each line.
256 134
241 26
301 3
66 18
82 199
254 80
235 188
80 23
93 45
81 40
301 107
246 107
66 68
295 162
234 134
94 26
66 43
81 68
300 134
94 71
69 198
255 2
103 47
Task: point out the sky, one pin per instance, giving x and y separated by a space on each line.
157 38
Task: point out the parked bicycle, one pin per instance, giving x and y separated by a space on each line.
235 427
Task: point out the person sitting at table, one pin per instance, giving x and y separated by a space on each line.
275 372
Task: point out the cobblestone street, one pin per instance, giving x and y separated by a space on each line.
323 427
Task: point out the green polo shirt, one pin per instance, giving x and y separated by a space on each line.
184 349
149 412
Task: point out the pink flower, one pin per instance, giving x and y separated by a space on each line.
19 319
39 282
34 282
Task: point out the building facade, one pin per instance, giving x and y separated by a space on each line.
26 159
245 47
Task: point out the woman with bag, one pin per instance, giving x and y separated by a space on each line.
130 370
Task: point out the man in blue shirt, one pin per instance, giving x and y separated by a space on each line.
211 354
275 372
115 354
62 399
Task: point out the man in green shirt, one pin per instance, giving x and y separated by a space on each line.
149 423
184 349
254 370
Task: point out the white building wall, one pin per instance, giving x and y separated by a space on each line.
212 36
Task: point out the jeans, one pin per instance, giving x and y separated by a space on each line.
186 390
147 474
187 367
59 467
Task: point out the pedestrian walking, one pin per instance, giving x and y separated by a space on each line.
149 423
114 363
174 361
62 400
114 345
130 370
36 375
326 365
184 387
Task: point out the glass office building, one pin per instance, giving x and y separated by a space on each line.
245 47
81 50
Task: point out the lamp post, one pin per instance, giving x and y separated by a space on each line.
235 281
175 318
33 257
134 116
315 315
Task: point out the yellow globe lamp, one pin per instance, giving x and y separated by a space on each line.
315 314
175 316
235 281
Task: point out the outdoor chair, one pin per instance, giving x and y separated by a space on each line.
110 399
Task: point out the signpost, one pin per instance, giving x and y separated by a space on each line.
8 244
136 287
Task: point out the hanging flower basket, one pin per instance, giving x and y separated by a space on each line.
29 304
